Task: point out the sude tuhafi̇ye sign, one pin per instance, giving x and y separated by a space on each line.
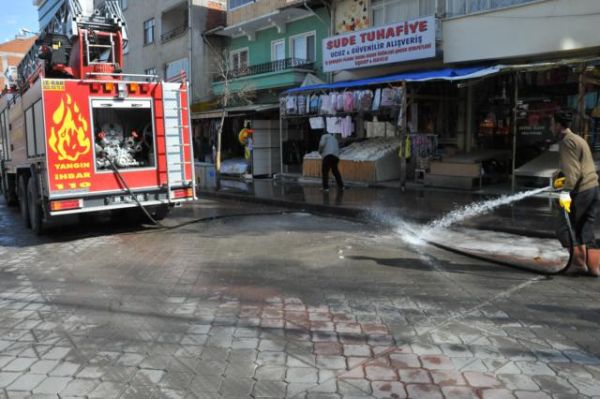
403 41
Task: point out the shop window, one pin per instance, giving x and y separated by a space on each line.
175 69
385 12
123 134
239 60
149 31
303 46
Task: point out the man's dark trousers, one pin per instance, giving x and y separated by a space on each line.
330 162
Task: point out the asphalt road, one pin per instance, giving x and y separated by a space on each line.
280 305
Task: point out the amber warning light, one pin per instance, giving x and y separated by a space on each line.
63 205
183 193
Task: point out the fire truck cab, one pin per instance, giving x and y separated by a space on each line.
79 136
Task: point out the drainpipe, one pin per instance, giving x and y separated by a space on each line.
190 53
515 114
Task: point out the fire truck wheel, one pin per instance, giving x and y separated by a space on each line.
22 188
35 209
160 212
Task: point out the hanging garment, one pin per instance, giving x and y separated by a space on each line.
334 125
398 94
376 100
307 108
406 147
314 104
387 97
282 105
301 104
336 101
291 105
365 100
325 104
347 126
316 122
348 101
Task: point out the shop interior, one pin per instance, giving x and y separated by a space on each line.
463 134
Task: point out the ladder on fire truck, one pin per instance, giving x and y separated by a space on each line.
175 126
69 18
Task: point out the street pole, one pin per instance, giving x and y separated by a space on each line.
403 137
514 131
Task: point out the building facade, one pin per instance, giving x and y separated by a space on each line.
11 53
165 39
266 47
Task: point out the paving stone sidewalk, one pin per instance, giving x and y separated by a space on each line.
290 306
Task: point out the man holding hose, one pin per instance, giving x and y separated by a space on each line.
579 195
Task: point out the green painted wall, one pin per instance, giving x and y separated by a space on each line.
260 49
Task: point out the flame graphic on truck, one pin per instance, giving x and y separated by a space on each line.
68 136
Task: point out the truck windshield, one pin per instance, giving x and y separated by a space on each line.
123 134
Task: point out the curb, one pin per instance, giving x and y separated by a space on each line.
361 214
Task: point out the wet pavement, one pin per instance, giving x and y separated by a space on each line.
530 217
280 304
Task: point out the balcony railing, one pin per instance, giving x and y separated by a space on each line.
273 66
173 33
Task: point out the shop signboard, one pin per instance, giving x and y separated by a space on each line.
399 42
534 121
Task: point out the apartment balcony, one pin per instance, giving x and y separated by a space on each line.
278 18
279 74
174 33
174 22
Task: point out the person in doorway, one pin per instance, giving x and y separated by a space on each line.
330 152
246 139
579 193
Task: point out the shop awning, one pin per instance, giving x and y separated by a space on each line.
448 74
232 111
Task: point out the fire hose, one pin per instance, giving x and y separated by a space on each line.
564 213
128 189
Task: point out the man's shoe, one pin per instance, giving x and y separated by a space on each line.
593 262
578 262
577 271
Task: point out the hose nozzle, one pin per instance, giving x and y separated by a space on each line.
558 184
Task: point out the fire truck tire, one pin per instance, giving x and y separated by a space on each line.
22 189
160 212
35 209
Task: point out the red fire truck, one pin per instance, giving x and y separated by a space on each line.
80 136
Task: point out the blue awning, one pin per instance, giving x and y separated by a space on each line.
448 74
